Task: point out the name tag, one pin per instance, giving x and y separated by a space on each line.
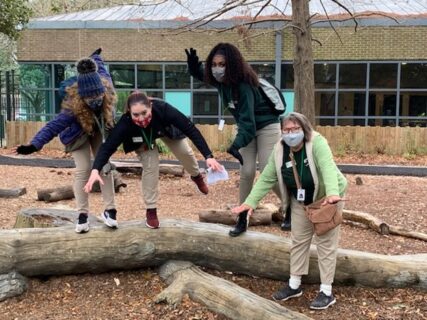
288 164
301 195
231 105
137 139
221 124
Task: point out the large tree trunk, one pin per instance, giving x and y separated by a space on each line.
51 251
303 60
229 299
260 217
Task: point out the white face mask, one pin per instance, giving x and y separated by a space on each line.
293 139
218 73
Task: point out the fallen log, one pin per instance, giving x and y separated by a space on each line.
367 219
133 245
11 285
12 193
406 233
260 217
229 299
67 192
48 218
136 168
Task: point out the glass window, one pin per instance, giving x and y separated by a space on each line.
413 122
352 75
413 75
382 104
180 100
156 94
62 72
36 105
150 76
122 96
123 75
351 122
325 75
197 120
35 76
325 103
351 104
205 103
413 104
287 76
383 75
177 77
266 71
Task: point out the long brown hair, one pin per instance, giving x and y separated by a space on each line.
83 113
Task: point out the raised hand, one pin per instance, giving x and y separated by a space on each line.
193 62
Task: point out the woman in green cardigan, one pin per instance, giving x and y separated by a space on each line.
320 178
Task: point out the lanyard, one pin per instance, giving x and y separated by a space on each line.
148 142
294 169
302 163
100 126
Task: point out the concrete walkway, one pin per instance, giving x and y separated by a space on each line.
229 165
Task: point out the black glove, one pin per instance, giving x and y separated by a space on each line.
235 153
193 62
97 51
26 149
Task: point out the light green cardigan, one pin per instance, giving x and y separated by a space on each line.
328 179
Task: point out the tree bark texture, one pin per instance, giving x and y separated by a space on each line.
219 295
11 285
12 193
367 219
303 60
52 251
260 217
136 168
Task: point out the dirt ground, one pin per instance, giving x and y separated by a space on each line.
400 201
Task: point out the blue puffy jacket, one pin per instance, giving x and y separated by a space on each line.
65 123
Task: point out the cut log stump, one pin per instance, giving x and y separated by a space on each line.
12 284
12 193
218 295
133 245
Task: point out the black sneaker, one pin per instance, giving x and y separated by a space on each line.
286 293
109 218
322 301
241 225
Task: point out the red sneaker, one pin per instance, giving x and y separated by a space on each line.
152 221
200 183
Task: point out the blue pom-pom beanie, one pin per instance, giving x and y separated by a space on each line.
88 79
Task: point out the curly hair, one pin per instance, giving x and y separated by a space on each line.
74 103
237 70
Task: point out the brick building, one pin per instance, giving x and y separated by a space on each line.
375 76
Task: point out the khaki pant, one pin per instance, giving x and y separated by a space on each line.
262 146
150 167
83 168
301 236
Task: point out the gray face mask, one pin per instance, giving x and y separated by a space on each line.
218 73
293 139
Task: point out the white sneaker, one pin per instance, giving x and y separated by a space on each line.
109 218
82 227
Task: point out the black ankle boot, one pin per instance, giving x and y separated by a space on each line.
286 224
241 225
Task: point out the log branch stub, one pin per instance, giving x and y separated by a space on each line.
12 193
12 284
218 295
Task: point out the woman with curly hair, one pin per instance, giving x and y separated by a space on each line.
258 128
82 125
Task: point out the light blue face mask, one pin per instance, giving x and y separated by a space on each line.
218 73
293 139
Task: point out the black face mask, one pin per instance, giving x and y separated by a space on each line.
96 104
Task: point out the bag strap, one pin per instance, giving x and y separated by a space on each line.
294 169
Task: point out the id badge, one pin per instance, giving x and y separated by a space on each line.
288 164
137 140
301 194
221 124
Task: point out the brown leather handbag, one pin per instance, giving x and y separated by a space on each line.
324 218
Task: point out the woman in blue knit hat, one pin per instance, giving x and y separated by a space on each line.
86 116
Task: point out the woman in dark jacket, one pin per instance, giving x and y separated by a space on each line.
146 120
86 116
258 127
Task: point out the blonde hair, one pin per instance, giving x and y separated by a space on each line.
74 103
